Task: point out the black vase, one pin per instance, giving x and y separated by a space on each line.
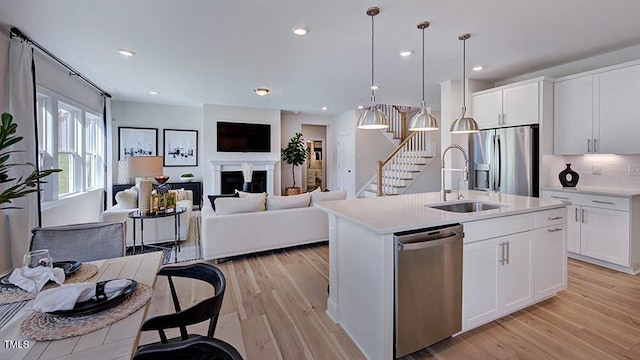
568 177
246 187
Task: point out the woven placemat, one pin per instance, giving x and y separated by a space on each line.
44 327
11 294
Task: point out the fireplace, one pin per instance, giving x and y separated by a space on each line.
263 167
233 180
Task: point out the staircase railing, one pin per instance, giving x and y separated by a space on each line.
410 152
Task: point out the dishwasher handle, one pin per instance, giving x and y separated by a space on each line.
429 243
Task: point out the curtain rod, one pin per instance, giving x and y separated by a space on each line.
16 32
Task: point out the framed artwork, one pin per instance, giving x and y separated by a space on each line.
180 147
170 200
134 141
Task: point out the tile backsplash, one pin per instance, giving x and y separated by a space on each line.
614 170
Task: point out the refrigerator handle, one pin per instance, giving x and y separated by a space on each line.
492 164
498 162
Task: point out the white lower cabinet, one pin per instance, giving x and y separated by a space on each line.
506 273
550 254
599 227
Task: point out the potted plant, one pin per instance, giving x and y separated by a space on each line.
294 154
22 185
186 177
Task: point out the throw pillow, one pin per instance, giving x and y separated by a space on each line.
212 198
244 194
328 196
230 205
288 202
127 199
181 194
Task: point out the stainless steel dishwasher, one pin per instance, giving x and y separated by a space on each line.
428 286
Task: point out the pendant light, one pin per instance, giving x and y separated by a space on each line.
423 121
372 118
464 125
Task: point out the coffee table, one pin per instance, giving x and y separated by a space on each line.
138 215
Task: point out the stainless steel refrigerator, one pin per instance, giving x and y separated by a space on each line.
505 160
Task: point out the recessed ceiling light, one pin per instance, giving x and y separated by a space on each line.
406 53
300 30
360 107
261 91
152 92
477 68
125 52
324 108
374 87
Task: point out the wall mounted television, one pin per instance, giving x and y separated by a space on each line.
243 137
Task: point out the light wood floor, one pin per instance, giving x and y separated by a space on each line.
274 308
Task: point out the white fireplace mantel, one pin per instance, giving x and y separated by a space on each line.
226 165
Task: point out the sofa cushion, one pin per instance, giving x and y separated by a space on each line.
212 198
288 202
244 194
230 205
127 199
181 194
317 196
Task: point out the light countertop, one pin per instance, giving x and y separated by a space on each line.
620 192
390 214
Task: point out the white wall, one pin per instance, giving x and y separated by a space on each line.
134 114
371 146
214 113
290 124
81 208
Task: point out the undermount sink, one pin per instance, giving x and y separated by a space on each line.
466 206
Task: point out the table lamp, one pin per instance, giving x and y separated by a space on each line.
145 167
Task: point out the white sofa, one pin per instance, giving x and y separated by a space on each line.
225 235
155 230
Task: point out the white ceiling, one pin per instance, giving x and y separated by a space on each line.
215 52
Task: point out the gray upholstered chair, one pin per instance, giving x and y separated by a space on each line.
81 242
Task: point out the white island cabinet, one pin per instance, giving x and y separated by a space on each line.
513 256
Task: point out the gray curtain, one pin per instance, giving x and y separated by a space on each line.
21 106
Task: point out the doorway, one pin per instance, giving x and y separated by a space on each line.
315 172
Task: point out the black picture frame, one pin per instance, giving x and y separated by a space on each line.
137 141
180 148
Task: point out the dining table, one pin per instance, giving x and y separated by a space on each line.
116 341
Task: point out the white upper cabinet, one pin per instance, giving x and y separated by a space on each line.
619 119
507 106
596 113
573 116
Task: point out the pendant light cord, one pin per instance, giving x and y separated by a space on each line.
373 97
464 74
423 67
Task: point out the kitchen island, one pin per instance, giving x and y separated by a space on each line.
362 255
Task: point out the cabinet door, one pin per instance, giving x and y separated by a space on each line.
572 116
487 109
605 234
573 229
520 105
516 275
480 283
550 266
618 117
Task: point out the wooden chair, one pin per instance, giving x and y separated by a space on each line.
198 347
81 242
207 309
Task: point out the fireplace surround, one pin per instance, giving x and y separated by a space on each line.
259 167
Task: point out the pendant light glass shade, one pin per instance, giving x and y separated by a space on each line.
423 121
372 118
464 125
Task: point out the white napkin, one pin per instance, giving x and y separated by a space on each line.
66 296
24 277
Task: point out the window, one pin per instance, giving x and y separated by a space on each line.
72 141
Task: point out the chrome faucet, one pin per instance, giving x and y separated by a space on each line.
465 175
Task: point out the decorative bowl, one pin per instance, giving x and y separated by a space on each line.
161 179
186 179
